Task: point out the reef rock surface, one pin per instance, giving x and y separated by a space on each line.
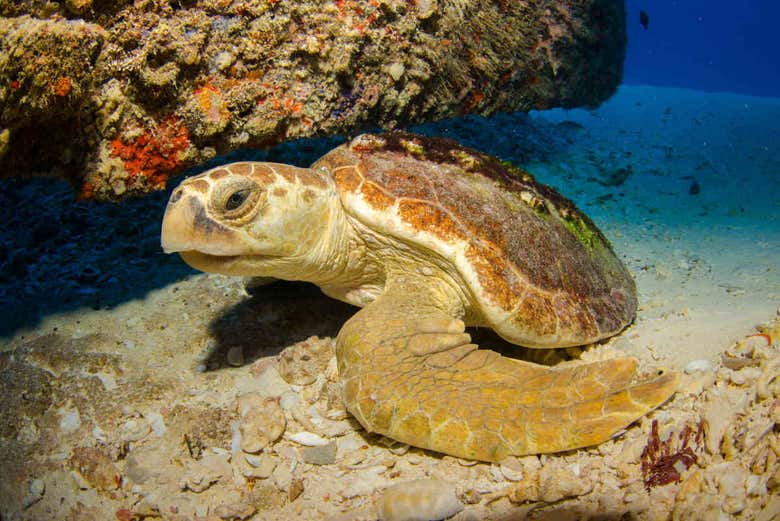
118 96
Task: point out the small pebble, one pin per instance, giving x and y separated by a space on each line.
496 475
157 423
235 356
33 496
755 486
399 449
99 434
396 70
262 421
37 487
419 500
135 430
70 421
282 476
349 444
224 60
289 400
471 496
340 428
321 454
698 366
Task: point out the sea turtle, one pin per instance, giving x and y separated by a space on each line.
428 237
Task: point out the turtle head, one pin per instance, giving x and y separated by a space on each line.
257 219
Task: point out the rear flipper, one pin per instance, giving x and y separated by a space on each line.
410 373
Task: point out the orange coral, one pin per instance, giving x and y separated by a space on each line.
472 101
154 155
62 86
211 102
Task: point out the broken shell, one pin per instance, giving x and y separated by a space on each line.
295 490
262 421
718 413
768 384
262 465
511 469
308 439
421 499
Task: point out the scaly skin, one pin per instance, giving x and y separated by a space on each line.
432 389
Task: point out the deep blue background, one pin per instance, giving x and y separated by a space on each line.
712 45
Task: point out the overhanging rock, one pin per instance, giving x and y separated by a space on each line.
118 96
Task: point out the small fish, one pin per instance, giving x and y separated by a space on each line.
644 19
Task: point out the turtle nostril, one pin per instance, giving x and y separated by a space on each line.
176 195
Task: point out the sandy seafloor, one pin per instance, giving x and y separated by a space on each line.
121 368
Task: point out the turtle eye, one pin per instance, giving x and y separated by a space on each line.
236 199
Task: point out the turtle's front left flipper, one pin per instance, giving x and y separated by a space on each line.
410 373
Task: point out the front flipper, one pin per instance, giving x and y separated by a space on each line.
410 373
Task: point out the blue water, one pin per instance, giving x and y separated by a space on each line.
711 45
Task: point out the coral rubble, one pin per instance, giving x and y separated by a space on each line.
118 96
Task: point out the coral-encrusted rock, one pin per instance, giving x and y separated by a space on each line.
136 91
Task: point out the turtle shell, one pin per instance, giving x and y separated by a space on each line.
539 271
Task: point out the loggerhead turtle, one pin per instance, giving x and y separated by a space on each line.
428 237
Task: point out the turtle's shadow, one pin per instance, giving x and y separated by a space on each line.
486 338
275 316
282 313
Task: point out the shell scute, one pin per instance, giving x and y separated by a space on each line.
347 179
536 313
422 216
377 197
492 270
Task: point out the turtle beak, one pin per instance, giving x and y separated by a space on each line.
177 226
187 227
